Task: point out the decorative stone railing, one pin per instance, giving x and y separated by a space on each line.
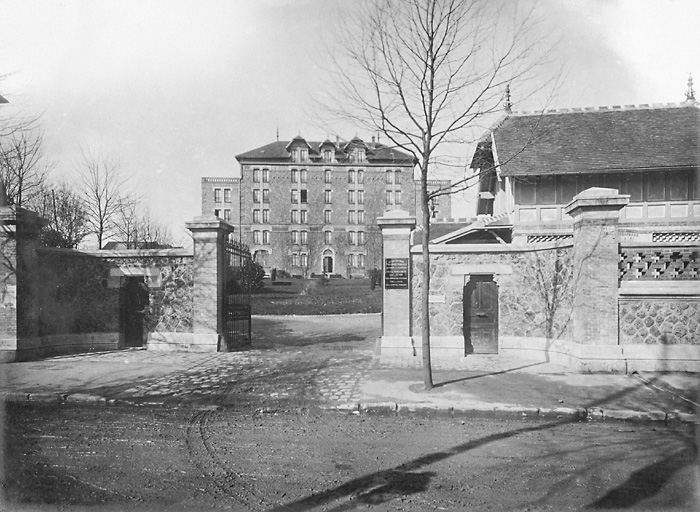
665 262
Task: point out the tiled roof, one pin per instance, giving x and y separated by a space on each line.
277 151
599 139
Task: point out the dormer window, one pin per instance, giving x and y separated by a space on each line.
359 155
327 155
303 154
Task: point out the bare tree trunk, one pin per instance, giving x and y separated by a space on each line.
425 303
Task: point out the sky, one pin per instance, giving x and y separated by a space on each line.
174 89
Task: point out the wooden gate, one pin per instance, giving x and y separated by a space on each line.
481 316
236 304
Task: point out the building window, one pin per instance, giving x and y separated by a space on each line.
227 215
351 196
304 216
266 195
351 176
397 197
397 177
352 238
361 217
217 195
303 175
351 217
361 237
304 196
217 212
389 197
256 195
351 260
304 154
327 176
328 196
256 216
327 155
266 216
295 237
389 177
360 197
256 175
360 155
361 260
227 195
327 216
295 216
328 237
304 260
266 238
266 175
295 176
295 260
360 176
257 237
304 237
295 196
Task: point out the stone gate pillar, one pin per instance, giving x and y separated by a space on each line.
209 234
396 229
19 281
596 214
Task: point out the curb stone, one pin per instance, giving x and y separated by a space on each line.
483 410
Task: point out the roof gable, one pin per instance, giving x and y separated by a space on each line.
599 140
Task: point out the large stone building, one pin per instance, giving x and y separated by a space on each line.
311 207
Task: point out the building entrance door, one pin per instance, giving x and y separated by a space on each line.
480 316
328 264
135 300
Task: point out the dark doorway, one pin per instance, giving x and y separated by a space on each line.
135 300
328 264
481 316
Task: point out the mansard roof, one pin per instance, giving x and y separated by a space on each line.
278 151
595 140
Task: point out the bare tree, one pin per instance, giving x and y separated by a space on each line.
23 169
425 73
105 189
66 214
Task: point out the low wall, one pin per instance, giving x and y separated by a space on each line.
80 300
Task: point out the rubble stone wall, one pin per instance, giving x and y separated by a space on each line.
660 320
534 298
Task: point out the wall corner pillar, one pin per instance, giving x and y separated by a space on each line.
396 227
596 214
209 234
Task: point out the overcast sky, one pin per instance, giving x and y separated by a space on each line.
176 89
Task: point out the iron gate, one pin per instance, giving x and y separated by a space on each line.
236 303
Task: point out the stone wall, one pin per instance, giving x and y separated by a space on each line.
170 284
534 292
74 296
664 321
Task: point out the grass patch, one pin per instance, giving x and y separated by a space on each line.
313 297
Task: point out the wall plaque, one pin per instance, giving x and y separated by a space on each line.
396 274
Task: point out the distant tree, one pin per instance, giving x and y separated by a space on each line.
105 189
65 212
23 169
137 229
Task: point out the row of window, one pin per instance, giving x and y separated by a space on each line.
641 186
262 237
218 195
302 216
302 260
301 176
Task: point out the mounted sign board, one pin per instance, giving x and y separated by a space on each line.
396 274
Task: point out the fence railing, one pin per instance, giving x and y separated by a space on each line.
648 262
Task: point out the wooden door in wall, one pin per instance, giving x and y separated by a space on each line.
135 299
481 316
